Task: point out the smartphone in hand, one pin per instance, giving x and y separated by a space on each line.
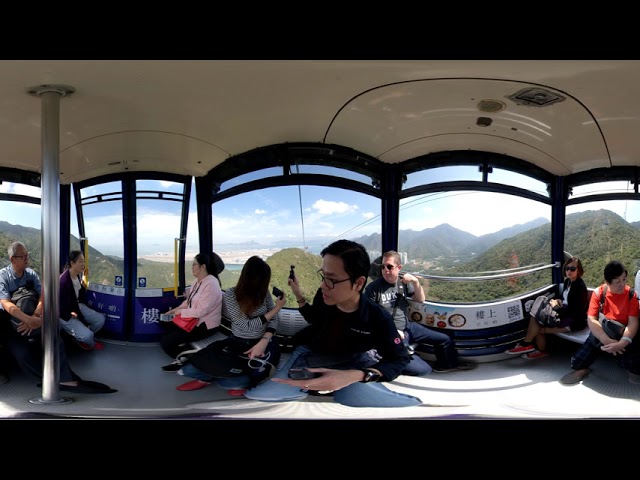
302 374
277 292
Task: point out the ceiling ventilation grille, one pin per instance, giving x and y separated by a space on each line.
536 97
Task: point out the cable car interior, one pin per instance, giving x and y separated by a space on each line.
485 175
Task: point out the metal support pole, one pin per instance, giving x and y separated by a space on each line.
50 234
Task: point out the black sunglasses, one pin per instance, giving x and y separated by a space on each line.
571 269
389 267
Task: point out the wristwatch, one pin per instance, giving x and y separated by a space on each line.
370 375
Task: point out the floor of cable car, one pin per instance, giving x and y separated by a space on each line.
514 388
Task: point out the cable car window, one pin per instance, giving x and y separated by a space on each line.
251 176
332 171
617 186
17 211
103 222
598 232
507 177
290 226
192 243
443 174
158 217
472 233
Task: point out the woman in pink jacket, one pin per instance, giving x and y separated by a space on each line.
204 302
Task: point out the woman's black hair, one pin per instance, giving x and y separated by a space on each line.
253 284
73 256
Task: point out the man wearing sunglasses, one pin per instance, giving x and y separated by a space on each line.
391 291
342 322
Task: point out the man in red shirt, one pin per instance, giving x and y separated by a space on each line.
613 324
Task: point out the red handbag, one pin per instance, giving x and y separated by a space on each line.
188 323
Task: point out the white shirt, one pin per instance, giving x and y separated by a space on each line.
76 284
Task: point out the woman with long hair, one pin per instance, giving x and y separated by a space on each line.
250 350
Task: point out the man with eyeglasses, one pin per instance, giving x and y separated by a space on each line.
342 322
391 291
24 342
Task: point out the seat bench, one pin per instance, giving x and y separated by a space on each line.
581 335
578 337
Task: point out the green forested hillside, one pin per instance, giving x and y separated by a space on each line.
595 236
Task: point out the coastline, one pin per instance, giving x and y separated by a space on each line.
235 257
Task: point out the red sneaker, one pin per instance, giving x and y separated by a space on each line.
84 346
237 392
520 349
192 385
535 354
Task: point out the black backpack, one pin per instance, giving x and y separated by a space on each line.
26 299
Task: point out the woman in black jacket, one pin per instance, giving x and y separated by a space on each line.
572 313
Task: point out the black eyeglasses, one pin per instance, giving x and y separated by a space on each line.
26 255
389 267
328 281
571 269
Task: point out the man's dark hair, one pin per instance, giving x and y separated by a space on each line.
354 256
614 269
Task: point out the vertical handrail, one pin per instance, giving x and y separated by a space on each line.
85 274
175 266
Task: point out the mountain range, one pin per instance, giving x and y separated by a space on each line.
597 236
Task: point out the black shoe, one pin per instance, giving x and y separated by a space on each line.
172 367
85 386
462 366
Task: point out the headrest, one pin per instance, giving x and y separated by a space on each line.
376 266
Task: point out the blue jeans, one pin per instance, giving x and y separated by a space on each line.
416 366
81 332
443 347
354 395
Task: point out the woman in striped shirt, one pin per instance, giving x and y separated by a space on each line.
250 349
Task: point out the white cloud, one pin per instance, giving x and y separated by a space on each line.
325 207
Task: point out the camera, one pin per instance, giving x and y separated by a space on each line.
292 274
277 292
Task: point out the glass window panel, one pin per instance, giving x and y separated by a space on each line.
23 214
507 177
251 176
290 226
295 169
333 171
158 227
598 232
104 233
601 187
20 213
473 233
443 174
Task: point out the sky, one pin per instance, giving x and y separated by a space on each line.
267 216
